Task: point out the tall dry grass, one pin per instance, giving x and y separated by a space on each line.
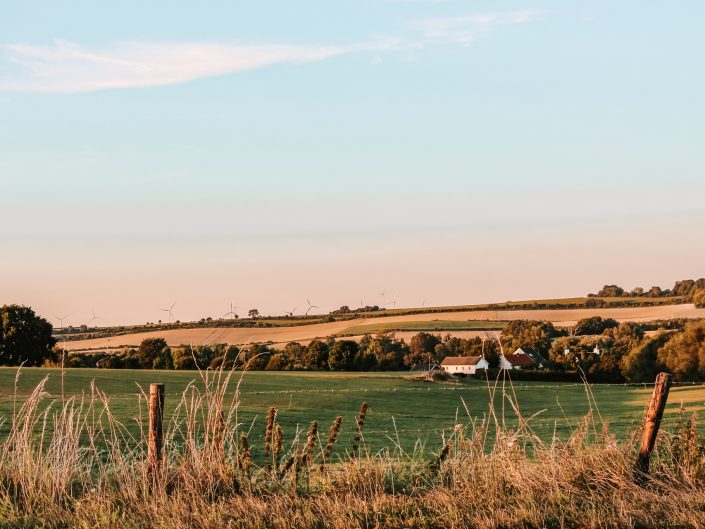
75 465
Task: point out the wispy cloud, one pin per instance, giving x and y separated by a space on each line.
67 67
466 29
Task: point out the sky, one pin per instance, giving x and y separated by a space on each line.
262 153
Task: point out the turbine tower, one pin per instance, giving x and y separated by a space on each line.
232 313
61 321
169 310
94 317
393 301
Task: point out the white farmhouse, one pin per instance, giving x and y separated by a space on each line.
466 365
521 359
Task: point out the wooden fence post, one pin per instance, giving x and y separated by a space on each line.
154 439
652 421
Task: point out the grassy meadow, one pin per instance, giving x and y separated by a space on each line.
78 466
402 408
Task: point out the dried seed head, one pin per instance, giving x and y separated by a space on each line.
244 458
269 430
332 437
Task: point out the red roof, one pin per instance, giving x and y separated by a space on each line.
461 360
519 360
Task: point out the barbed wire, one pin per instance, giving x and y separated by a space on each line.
396 389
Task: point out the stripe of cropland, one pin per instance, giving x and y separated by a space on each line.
539 304
276 334
435 325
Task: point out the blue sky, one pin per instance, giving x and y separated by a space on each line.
448 151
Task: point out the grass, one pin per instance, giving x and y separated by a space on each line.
77 464
436 325
401 406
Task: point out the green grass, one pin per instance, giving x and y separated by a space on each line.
436 325
419 410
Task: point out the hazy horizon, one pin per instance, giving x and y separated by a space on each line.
446 151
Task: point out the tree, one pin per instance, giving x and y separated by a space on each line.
24 337
183 358
528 333
688 287
277 362
294 352
610 291
113 361
699 299
655 292
684 354
255 357
489 349
315 356
253 313
382 352
424 342
341 355
154 353
593 325
641 364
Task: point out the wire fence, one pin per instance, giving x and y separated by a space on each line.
441 388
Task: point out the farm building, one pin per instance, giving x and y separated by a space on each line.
466 365
523 357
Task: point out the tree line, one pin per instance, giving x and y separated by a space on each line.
690 289
603 349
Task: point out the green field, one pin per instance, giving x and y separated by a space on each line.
419 410
436 325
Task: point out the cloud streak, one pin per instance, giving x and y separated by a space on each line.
466 29
68 67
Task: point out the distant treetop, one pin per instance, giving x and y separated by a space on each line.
687 288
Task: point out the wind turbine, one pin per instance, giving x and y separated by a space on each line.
169 310
61 321
291 312
310 306
232 312
95 317
393 301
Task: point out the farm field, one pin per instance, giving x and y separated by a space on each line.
402 408
437 320
434 325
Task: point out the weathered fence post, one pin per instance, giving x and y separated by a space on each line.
652 421
154 439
